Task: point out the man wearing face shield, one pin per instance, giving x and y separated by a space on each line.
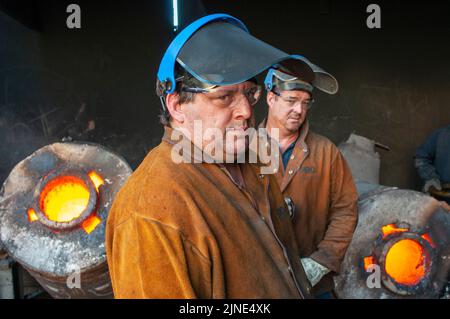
199 227
313 175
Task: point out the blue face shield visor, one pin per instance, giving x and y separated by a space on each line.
218 50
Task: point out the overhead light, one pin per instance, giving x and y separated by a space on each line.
175 14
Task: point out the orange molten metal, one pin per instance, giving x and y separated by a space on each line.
64 198
428 239
406 262
368 261
96 179
32 216
392 229
91 223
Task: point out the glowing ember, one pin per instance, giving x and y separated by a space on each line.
64 198
96 179
368 261
32 216
392 229
406 262
428 239
91 223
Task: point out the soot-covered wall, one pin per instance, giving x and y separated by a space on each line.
394 81
97 83
93 84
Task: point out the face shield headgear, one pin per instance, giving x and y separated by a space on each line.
291 78
218 50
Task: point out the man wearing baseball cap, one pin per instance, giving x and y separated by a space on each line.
198 227
313 175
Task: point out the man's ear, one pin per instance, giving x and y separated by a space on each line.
270 98
174 107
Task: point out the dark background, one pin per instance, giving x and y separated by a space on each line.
97 83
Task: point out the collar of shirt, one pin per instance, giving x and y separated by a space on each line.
288 152
300 141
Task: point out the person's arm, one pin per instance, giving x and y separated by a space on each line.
343 216
150 260
423 161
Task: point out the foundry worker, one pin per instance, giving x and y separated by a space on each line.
198 228
313 175
432 160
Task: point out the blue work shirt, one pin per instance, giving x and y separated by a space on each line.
432 158
287 154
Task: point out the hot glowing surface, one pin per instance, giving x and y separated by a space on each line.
96 179
407 262
64 198
391 229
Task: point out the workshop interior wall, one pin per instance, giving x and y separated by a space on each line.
97 83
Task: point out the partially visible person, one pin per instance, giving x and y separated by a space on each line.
313 175
201 227
432 160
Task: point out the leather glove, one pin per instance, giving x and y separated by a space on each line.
432 182
314 270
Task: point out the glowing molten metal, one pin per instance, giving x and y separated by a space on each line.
32 216
96 179
407 262
64 198
392 229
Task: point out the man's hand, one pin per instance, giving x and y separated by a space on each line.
314 270
432 182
